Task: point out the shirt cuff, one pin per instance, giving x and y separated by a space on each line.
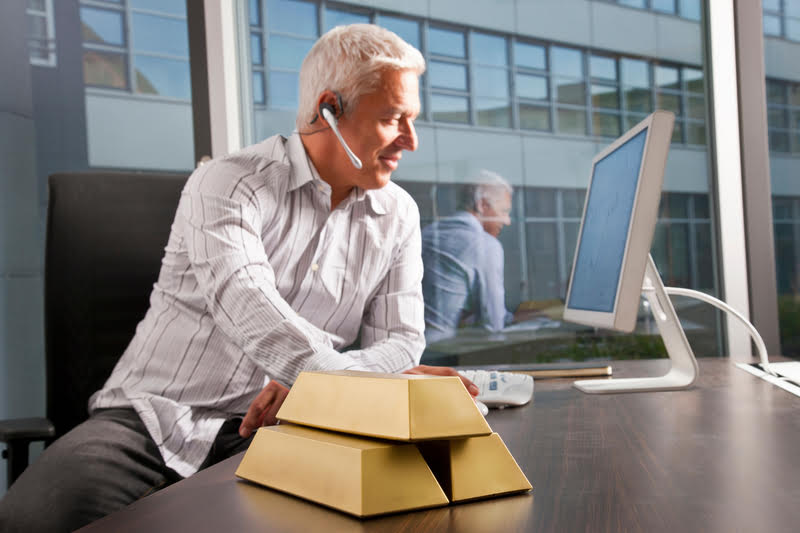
330 359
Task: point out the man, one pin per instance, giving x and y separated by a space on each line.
279 257
463 281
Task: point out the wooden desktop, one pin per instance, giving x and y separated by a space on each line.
721 456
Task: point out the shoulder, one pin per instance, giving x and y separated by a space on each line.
243 174
397 202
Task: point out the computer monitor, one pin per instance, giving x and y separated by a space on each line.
612 265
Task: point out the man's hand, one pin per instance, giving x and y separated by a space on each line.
443 371
264 408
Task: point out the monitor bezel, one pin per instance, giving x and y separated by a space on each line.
641 226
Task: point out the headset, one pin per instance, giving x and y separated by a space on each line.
328 114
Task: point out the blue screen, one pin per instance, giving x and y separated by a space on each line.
605 227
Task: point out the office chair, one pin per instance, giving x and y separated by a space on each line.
106 233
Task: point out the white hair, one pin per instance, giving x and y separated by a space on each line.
349 60
486 185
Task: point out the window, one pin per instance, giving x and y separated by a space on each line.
141 46
689 9
448 75
42 33
783 115
781 18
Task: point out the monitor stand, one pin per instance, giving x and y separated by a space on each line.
683 370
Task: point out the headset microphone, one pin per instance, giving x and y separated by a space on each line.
326 110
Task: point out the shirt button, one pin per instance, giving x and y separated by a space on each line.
315 267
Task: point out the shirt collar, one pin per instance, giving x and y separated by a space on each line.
304 171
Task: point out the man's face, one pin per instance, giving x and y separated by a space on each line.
495 212
380 127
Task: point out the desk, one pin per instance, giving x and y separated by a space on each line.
723 456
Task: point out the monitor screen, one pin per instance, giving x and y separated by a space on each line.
605 229
619 219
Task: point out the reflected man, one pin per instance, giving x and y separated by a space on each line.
464 260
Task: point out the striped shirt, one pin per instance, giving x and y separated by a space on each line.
261 279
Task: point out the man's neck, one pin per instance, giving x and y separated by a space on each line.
317 150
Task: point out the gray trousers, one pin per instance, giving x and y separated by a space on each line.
101 466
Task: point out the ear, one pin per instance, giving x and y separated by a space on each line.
330 98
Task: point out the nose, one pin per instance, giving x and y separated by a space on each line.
408 136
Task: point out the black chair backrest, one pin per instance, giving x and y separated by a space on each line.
106 233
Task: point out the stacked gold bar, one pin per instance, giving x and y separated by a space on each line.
368 443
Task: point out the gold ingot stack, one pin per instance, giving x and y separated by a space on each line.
368 443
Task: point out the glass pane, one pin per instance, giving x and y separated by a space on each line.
638 100
493 112
772 5
791 8
776 92
448 75
160 35
256 50
792 27
697 107
282 90
603 67
695 133
693 79
173 7
794 94
796 142
783 208
287 52
772 25
605 125
489 49
633 3
540 202
670 102
635 73
667 77
258 88
37 27
566 61
543 265
292 16
164 77
335 17
605 96
546 85
674 205
776 118
105 69
407 29
571 121
786 255
573 202
534 117
664 6
102 26
255 12
37 5
446 42
530 55
491 82
570 91
779 141
689 9
632 119
534 87
701 207
449 108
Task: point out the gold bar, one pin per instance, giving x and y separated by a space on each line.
389 406
475 467
363 477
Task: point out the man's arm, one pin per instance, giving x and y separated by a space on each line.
491 286
222 226
392 330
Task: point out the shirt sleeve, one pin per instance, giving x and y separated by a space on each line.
491 286
392 331
234 275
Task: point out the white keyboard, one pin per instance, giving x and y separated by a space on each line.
501 389
788 369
